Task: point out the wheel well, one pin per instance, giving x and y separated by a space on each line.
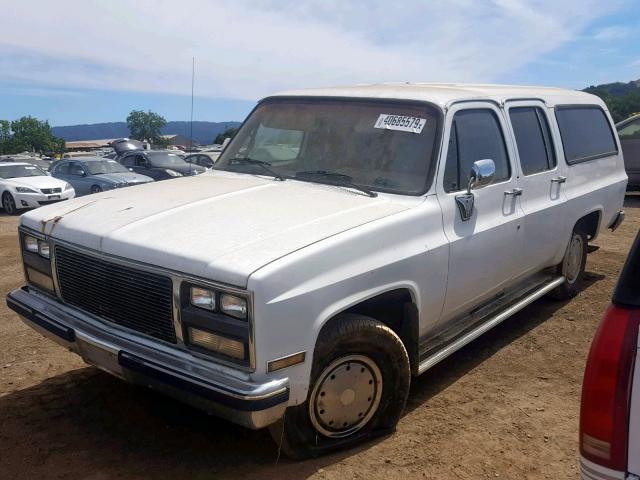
589 224
397 310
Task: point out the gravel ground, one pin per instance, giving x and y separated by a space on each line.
505 406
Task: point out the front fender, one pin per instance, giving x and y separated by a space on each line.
295 296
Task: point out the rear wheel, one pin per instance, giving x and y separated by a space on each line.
96 189
359 385
9 204
572 267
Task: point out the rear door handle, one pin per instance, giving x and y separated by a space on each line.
559 179
515 192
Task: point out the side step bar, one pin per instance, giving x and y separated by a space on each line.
468 337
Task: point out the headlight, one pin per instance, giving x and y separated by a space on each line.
43 248
203 298
25 190
35 245
234 306
172 173
67 186
31 244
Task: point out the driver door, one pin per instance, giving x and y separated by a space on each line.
483 249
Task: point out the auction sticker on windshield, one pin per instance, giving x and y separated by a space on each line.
402 123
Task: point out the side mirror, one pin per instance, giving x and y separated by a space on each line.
482 173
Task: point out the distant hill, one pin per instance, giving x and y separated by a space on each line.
623 99
203 132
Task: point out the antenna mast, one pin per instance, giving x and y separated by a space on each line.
193 74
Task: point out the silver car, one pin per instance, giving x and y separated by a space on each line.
93 174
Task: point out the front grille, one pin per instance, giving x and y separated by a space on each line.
49 191
125 296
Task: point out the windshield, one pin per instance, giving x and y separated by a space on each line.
383 145
166 159
17 171
106 166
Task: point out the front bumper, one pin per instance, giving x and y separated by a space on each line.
35 200
199 382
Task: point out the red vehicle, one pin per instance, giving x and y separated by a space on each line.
610 410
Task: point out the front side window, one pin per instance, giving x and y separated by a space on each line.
76 169
586 133
533 139
382 145
164 159
475 135
631 131
104 167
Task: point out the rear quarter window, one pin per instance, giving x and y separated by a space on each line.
586 133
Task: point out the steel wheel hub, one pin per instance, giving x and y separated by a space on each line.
346 396
573 260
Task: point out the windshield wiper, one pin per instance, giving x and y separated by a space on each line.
336 178
264 165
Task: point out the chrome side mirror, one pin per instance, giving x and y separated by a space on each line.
482 173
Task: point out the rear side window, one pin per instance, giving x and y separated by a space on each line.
586 133
63 169
475 135
533 139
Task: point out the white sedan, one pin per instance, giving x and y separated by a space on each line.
23 185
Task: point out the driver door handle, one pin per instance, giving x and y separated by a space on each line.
560 179
516 192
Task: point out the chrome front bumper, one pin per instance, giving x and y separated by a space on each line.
199 382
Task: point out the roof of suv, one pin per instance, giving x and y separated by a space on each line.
443 94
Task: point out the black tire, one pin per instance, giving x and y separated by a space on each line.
349 338
96 189
572 268
9 204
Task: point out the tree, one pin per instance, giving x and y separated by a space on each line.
146 126
28 134
228 133
5 135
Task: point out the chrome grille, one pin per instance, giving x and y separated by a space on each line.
49 191
122 295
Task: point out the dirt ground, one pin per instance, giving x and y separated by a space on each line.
505 406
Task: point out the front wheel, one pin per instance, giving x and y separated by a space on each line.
96 189
572 267
359 385
9 204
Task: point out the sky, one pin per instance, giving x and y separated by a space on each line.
89 61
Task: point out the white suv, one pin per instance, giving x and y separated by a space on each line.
346 239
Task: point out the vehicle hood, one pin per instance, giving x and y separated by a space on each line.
42 181
220 226
123 177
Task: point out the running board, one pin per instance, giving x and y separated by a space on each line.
468 337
